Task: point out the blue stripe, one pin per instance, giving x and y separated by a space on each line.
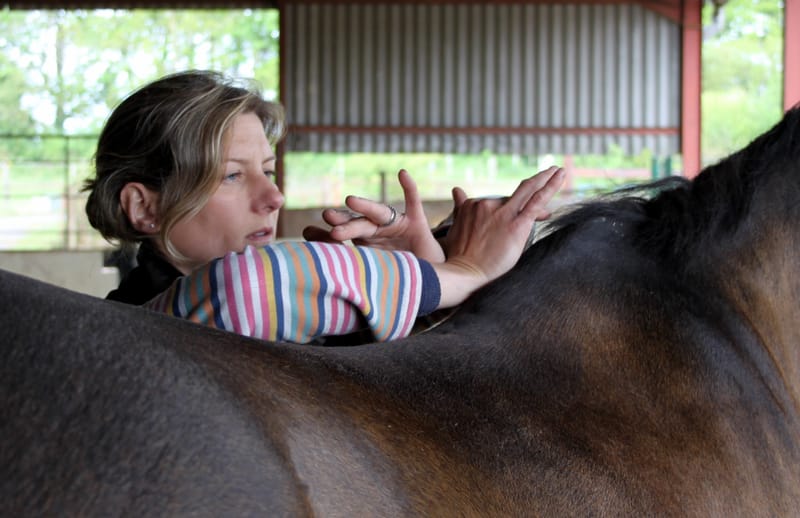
176 297
201 314
215 302
430 290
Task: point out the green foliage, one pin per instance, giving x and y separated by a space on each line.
336 175
742 75
68 69
616 158
61 74
332 176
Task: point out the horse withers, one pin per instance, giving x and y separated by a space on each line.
641 359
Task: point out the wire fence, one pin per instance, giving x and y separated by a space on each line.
41 206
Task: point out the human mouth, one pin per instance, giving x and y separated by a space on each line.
261 237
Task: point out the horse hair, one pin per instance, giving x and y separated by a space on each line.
676 216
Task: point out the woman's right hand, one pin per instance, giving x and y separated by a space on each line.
365 224
489 235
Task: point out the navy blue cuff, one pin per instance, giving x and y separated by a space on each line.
431 289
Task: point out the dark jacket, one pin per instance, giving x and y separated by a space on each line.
152 275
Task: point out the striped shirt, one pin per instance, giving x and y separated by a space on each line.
298 291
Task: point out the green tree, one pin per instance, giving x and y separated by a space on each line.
80 63
742 74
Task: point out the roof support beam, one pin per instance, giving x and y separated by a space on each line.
791 54
691 81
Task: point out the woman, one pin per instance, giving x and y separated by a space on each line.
185 167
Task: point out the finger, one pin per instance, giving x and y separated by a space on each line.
528 187
334 217
377 213
536 204
353 229
459 197
312 233
413 201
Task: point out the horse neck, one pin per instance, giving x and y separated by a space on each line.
758 274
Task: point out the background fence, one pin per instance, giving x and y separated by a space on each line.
42 206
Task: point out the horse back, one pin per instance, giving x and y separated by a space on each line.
112 407
100 417
659 388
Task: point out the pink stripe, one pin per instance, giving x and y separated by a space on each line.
414 289
333 317
401 324
345 254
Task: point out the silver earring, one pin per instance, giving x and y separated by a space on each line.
152 225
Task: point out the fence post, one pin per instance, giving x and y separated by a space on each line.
67 200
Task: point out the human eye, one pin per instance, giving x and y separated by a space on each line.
232 177
269 173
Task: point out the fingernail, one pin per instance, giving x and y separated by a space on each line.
350 213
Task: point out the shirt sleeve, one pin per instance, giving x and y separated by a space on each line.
298 291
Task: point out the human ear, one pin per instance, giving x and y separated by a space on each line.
140 206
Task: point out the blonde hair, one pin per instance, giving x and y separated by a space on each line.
169 136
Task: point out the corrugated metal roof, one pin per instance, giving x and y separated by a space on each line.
522 78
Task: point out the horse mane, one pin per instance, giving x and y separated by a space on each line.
676 217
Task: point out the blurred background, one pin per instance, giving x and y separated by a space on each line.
63 70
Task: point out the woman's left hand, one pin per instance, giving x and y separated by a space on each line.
374 224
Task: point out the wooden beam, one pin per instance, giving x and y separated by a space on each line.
280 148
791 53
691 80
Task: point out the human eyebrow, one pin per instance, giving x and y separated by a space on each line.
244 161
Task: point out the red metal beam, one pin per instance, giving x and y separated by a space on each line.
280 148
791 53
691 79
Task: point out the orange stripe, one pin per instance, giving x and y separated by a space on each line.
383 296
270 295
362 278
301 282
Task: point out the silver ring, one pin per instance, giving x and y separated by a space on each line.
392 218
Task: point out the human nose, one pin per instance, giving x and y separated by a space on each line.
268 197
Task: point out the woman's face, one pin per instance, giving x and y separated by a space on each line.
244 208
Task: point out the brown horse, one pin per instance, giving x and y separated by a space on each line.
642 359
